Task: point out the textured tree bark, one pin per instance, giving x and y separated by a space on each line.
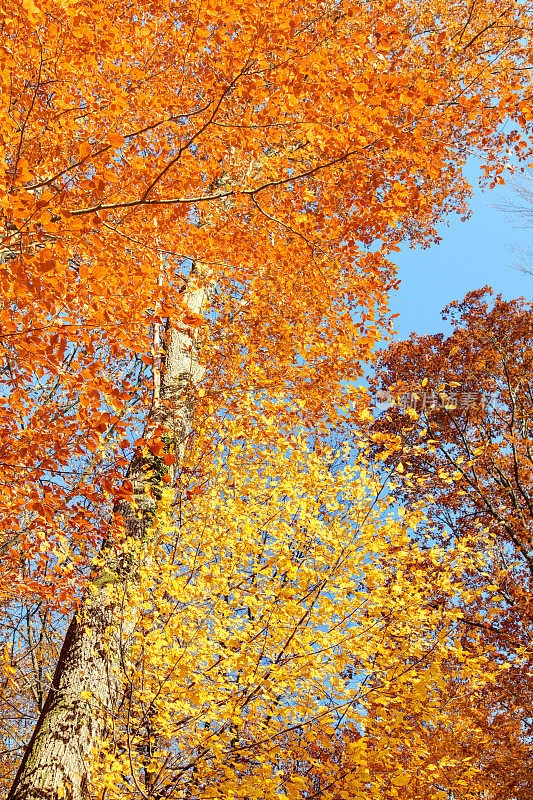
87 683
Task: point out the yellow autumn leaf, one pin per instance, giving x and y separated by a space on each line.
401 780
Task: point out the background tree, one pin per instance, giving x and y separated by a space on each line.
463 450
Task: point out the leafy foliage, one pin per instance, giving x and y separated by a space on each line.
271 623
471 466
269 156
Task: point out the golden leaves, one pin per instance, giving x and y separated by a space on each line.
275 592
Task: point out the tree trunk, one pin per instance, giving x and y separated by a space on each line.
87 683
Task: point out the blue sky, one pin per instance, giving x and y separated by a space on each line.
472 254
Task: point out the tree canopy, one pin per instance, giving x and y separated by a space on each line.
463 449
197 205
